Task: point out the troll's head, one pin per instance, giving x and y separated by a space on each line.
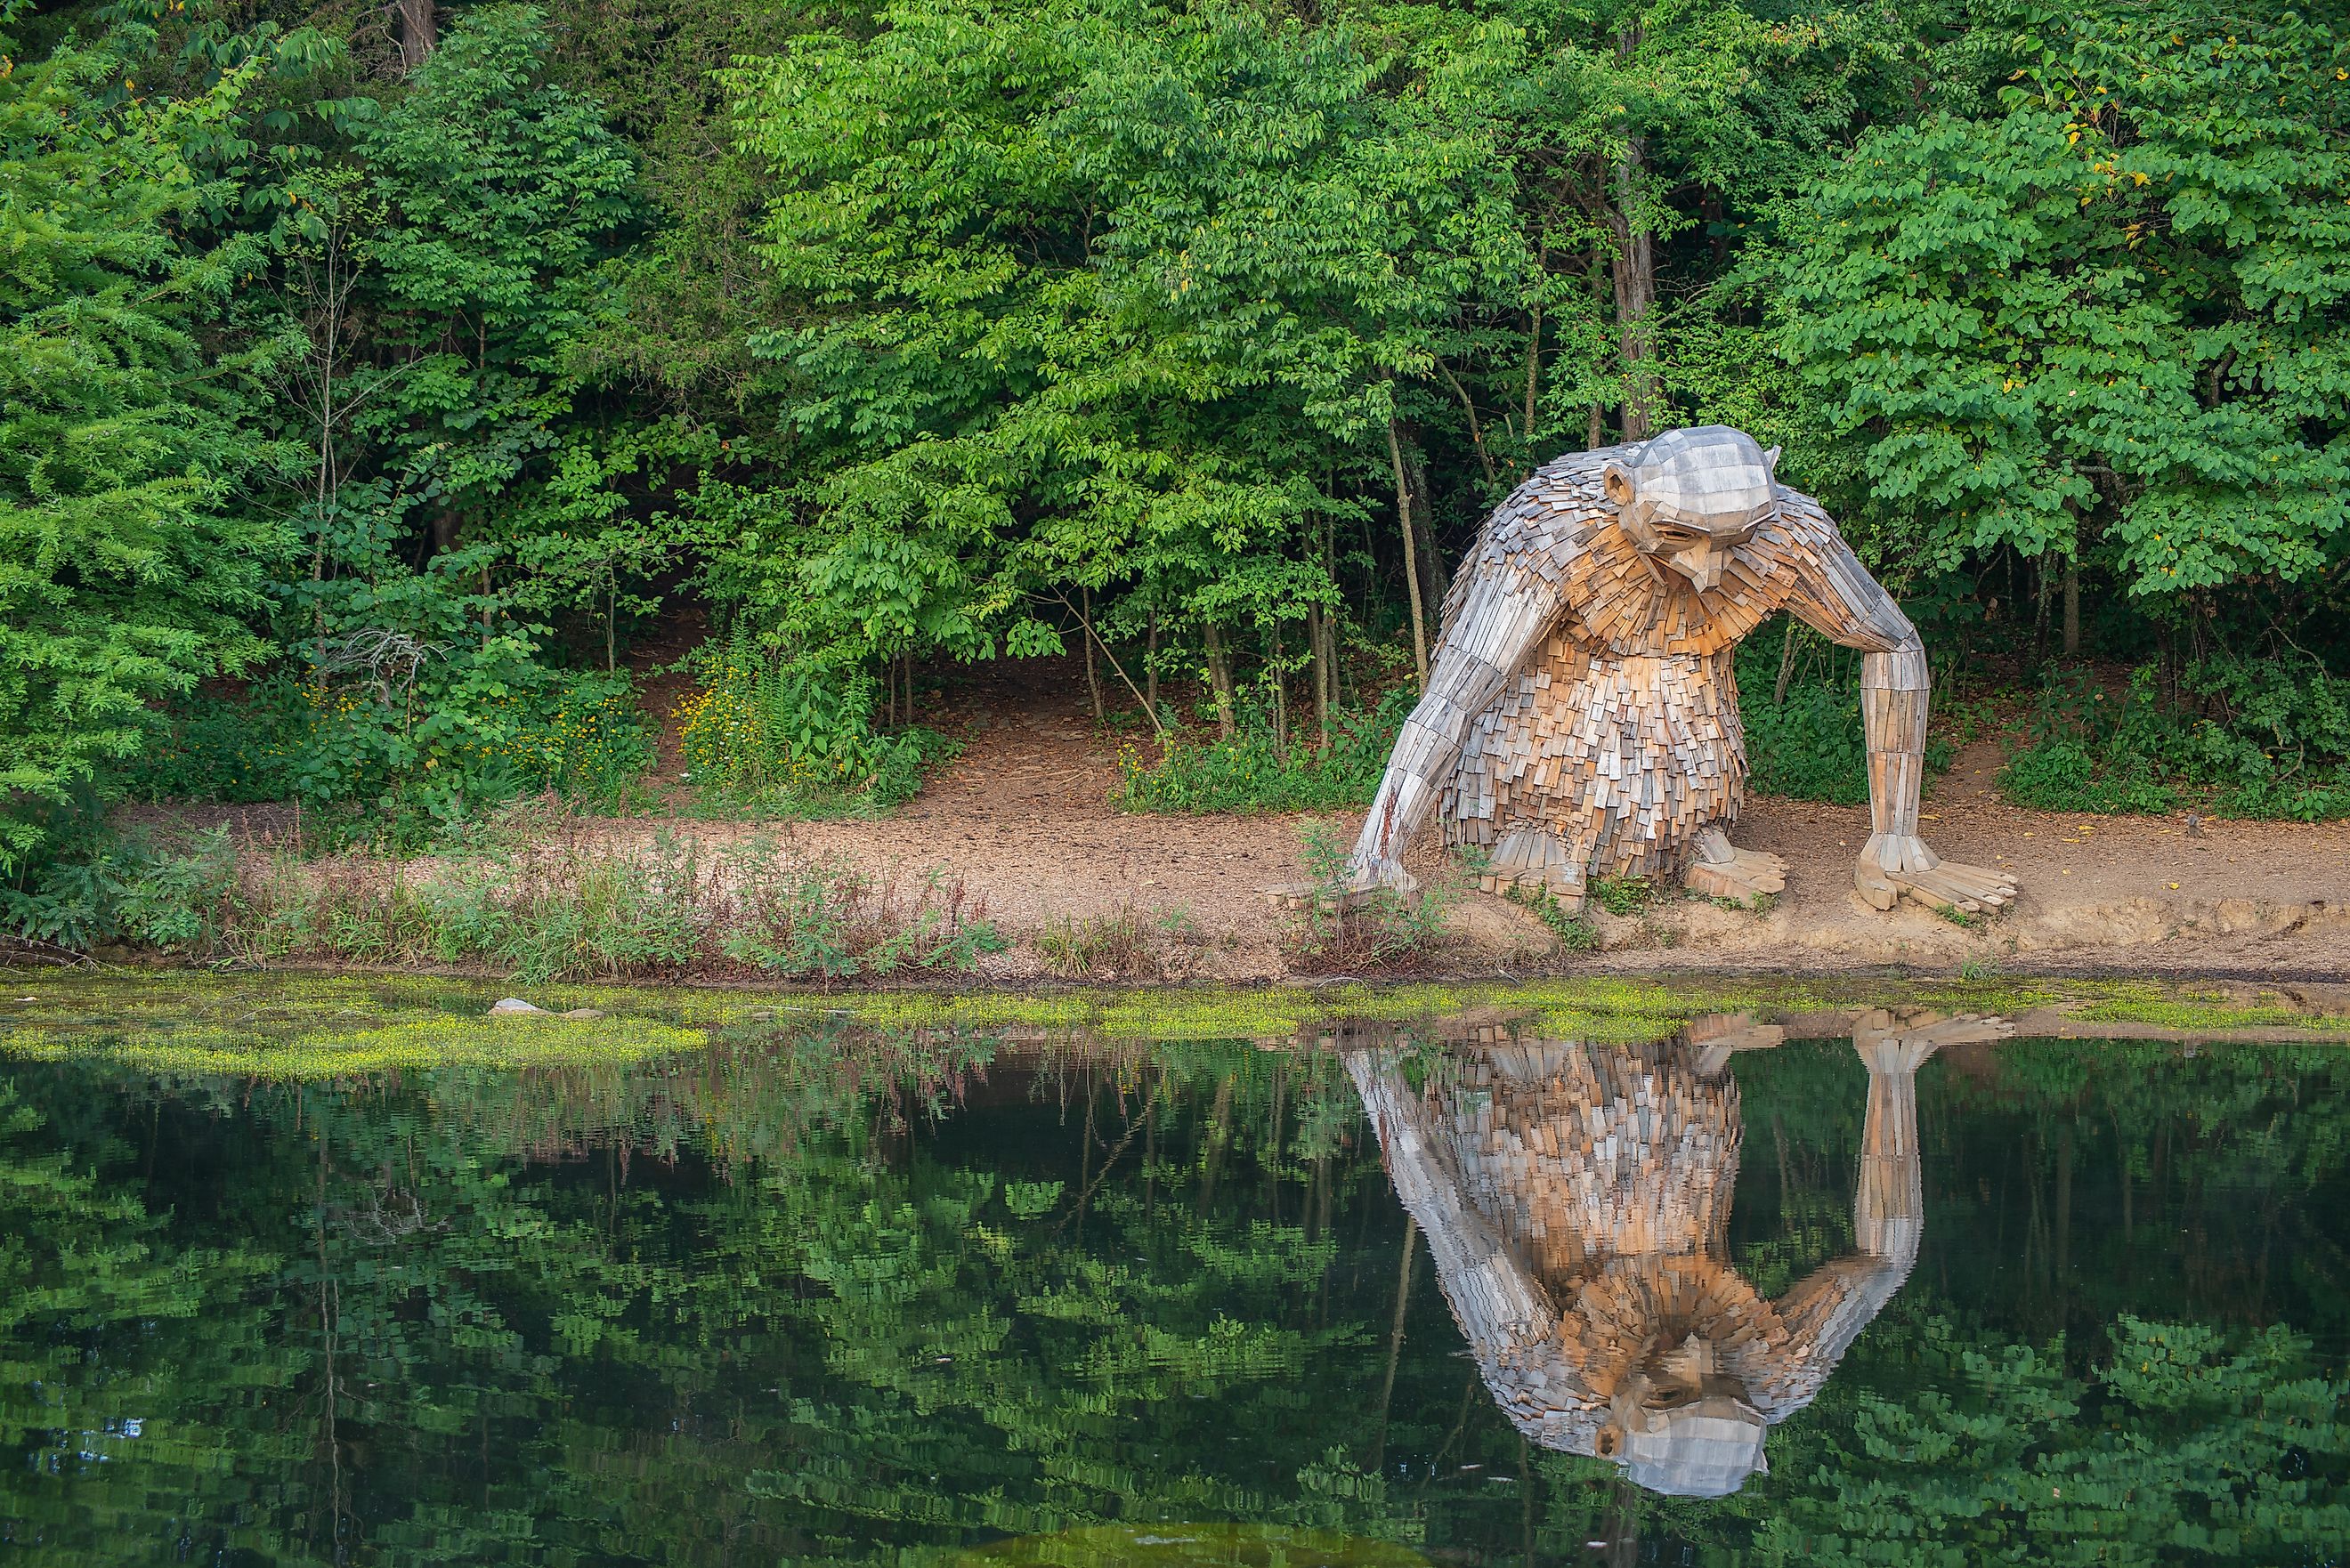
1689 497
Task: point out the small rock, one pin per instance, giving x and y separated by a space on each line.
513 1007
582 1014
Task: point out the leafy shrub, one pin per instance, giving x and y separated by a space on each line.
586 740
1814 745
2267 738
1625 896
364 752
102 890
1575 933
769 728
1249 772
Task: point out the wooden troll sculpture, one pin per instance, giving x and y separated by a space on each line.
1576 1199
1581 719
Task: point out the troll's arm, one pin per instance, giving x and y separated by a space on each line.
1499 610
1836 597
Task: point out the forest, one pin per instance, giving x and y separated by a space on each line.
388 390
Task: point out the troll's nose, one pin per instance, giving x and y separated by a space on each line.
1702 565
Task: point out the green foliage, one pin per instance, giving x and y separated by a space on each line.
1812 746
102 890
130 564
2185 1442
1575 933
776 729
1623 896
2107 315
2247 737
1251 772
419 742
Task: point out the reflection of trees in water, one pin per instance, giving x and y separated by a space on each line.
817 1295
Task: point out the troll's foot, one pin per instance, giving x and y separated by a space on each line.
1723 870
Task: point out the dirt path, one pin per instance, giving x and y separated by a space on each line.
1022 820
1022 817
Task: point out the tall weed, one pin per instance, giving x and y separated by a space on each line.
574 908
1336 929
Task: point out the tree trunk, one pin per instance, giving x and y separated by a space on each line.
1635 269
1093 676
1280 696
1220 678
1423 513
1318 638
1597 436
1533 359
1411 556
1635 292
1150 672
2040 616
2073 608
416 32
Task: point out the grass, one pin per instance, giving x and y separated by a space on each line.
1112 946
1251 772
571 906
1575 933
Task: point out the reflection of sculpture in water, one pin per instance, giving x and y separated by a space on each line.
1575 1198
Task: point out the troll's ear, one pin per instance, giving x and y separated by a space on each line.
1616 479
1771 461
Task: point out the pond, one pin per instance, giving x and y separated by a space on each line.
351 1274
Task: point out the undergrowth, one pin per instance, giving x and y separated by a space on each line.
1251 772
1336 929
370 763
575 908
1115 945
2259 738
768 732
1814 745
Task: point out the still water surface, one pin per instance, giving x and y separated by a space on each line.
1871 1288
